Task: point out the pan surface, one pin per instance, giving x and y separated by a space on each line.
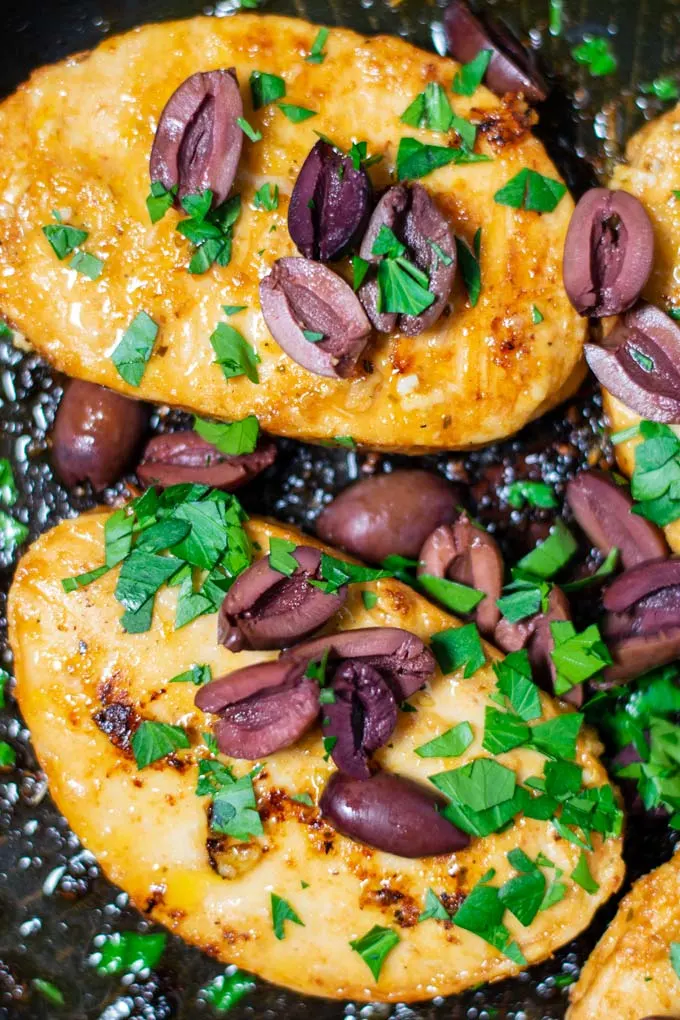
53 899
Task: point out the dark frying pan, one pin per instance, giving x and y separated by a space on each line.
53 899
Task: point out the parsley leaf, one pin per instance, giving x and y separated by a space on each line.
159 200
336 573
234 807
8 756
296 114
655 483
369 599
577 657
402 287
675 957
374 946
197 675
132 353
551 555
557 737
537 316
226 990
248 130
470 267
267 197
503 731
434 909
605 570
531 191
523 597
432 109
523 895
459 598
481 784
534 493
266 88
8 487
582 876
449 744
415 159
49 991
482 914
155 740
234 354
12 533
4 683
359 269
231 438
281 912
317 55
209 230
129 952
458 646
596 53
664 89
63 239
86 264
467 80
280 556
515 683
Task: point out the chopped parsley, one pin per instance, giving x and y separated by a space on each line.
556 13
450 744
303 798
281 556
577 657
49 991
374 947
582 876
63 239
655 483
282 912
434 909
234 806
266 88
557 737
675 957
336 573
531 191
159 200
596 53
12 533
267 197
467 80
403 288
469 262
664 89
551 555
233 309
359 269
523 895
296 114
537 316
605 570
4 683
129 952
234 354
226 990
311 336
87 265
482 914
234 438
432 109
534 493
459 598
8 756
317 55
131 355
523 597
458 646
481 784
197 675
369 599
152 741
209 230
249 131
515 683
503 731
416 160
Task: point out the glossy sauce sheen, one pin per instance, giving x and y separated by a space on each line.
71 657
629 975
78 138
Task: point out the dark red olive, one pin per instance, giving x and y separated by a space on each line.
198 140
603 510
400 657
410 213
390 813
303 297
608 253
468 554
178 457
264 609
636 655
262 708
96 434
512 68
639 363
534 634
388 514
639 582
330 204
361 718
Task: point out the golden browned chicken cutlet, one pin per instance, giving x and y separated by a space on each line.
76 141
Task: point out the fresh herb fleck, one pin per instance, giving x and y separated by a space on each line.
266 88
450 744
416 160
282 912
531 191
267 197
131 355
374 947
155 740
249 131
459 646
596 53
234 354
234 438
467 80
129 952
159 200
296 114
534 493
317 55
470 267
226 990
551 555
197 675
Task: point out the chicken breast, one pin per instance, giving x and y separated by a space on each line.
629 974
652 173
77 139
150 832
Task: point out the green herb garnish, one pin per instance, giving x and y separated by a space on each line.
63 239
267 197
197 675
597 55
515 683
434 909
49 991
317 55
234 354
159 200
582 876
296 114
470 267
450 744
336 573
459 646
234 806
459 598
531 191
266 88
231 438
675 957
226 990
416 160
129 952
548 558
155 740
249 131
374 946
482 914
359 269
534 493
8 486
282 912
132 353
280 556
467 80
664 89
522 598
369 599
209 230
577 657
605 570
8 756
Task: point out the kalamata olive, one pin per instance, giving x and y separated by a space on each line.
534 634
639 363
608 253
96 434
637 654
468 554
361 718
512 68
314 316
265 609
330 204
390 813
177 457
388 514
639 582
198 140
603 510
413 217
262 708
400 657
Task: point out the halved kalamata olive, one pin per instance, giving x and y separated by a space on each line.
390 813
362 717
534 634
399 656
639 363
330 204
635 655
466 553
413 217
178 457
512 68
262 708
388 514
640 582
603 510
96 434
198 141
314 316
608 253
265 609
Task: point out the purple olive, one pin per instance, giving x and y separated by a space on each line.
262 708
639 363
603 511
608 253
361 718
330 204
409 212
466 553
640 582
302 297
198 140
178 457
400 657
264 609
388 514
390 813
96 434
534 634
512 68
